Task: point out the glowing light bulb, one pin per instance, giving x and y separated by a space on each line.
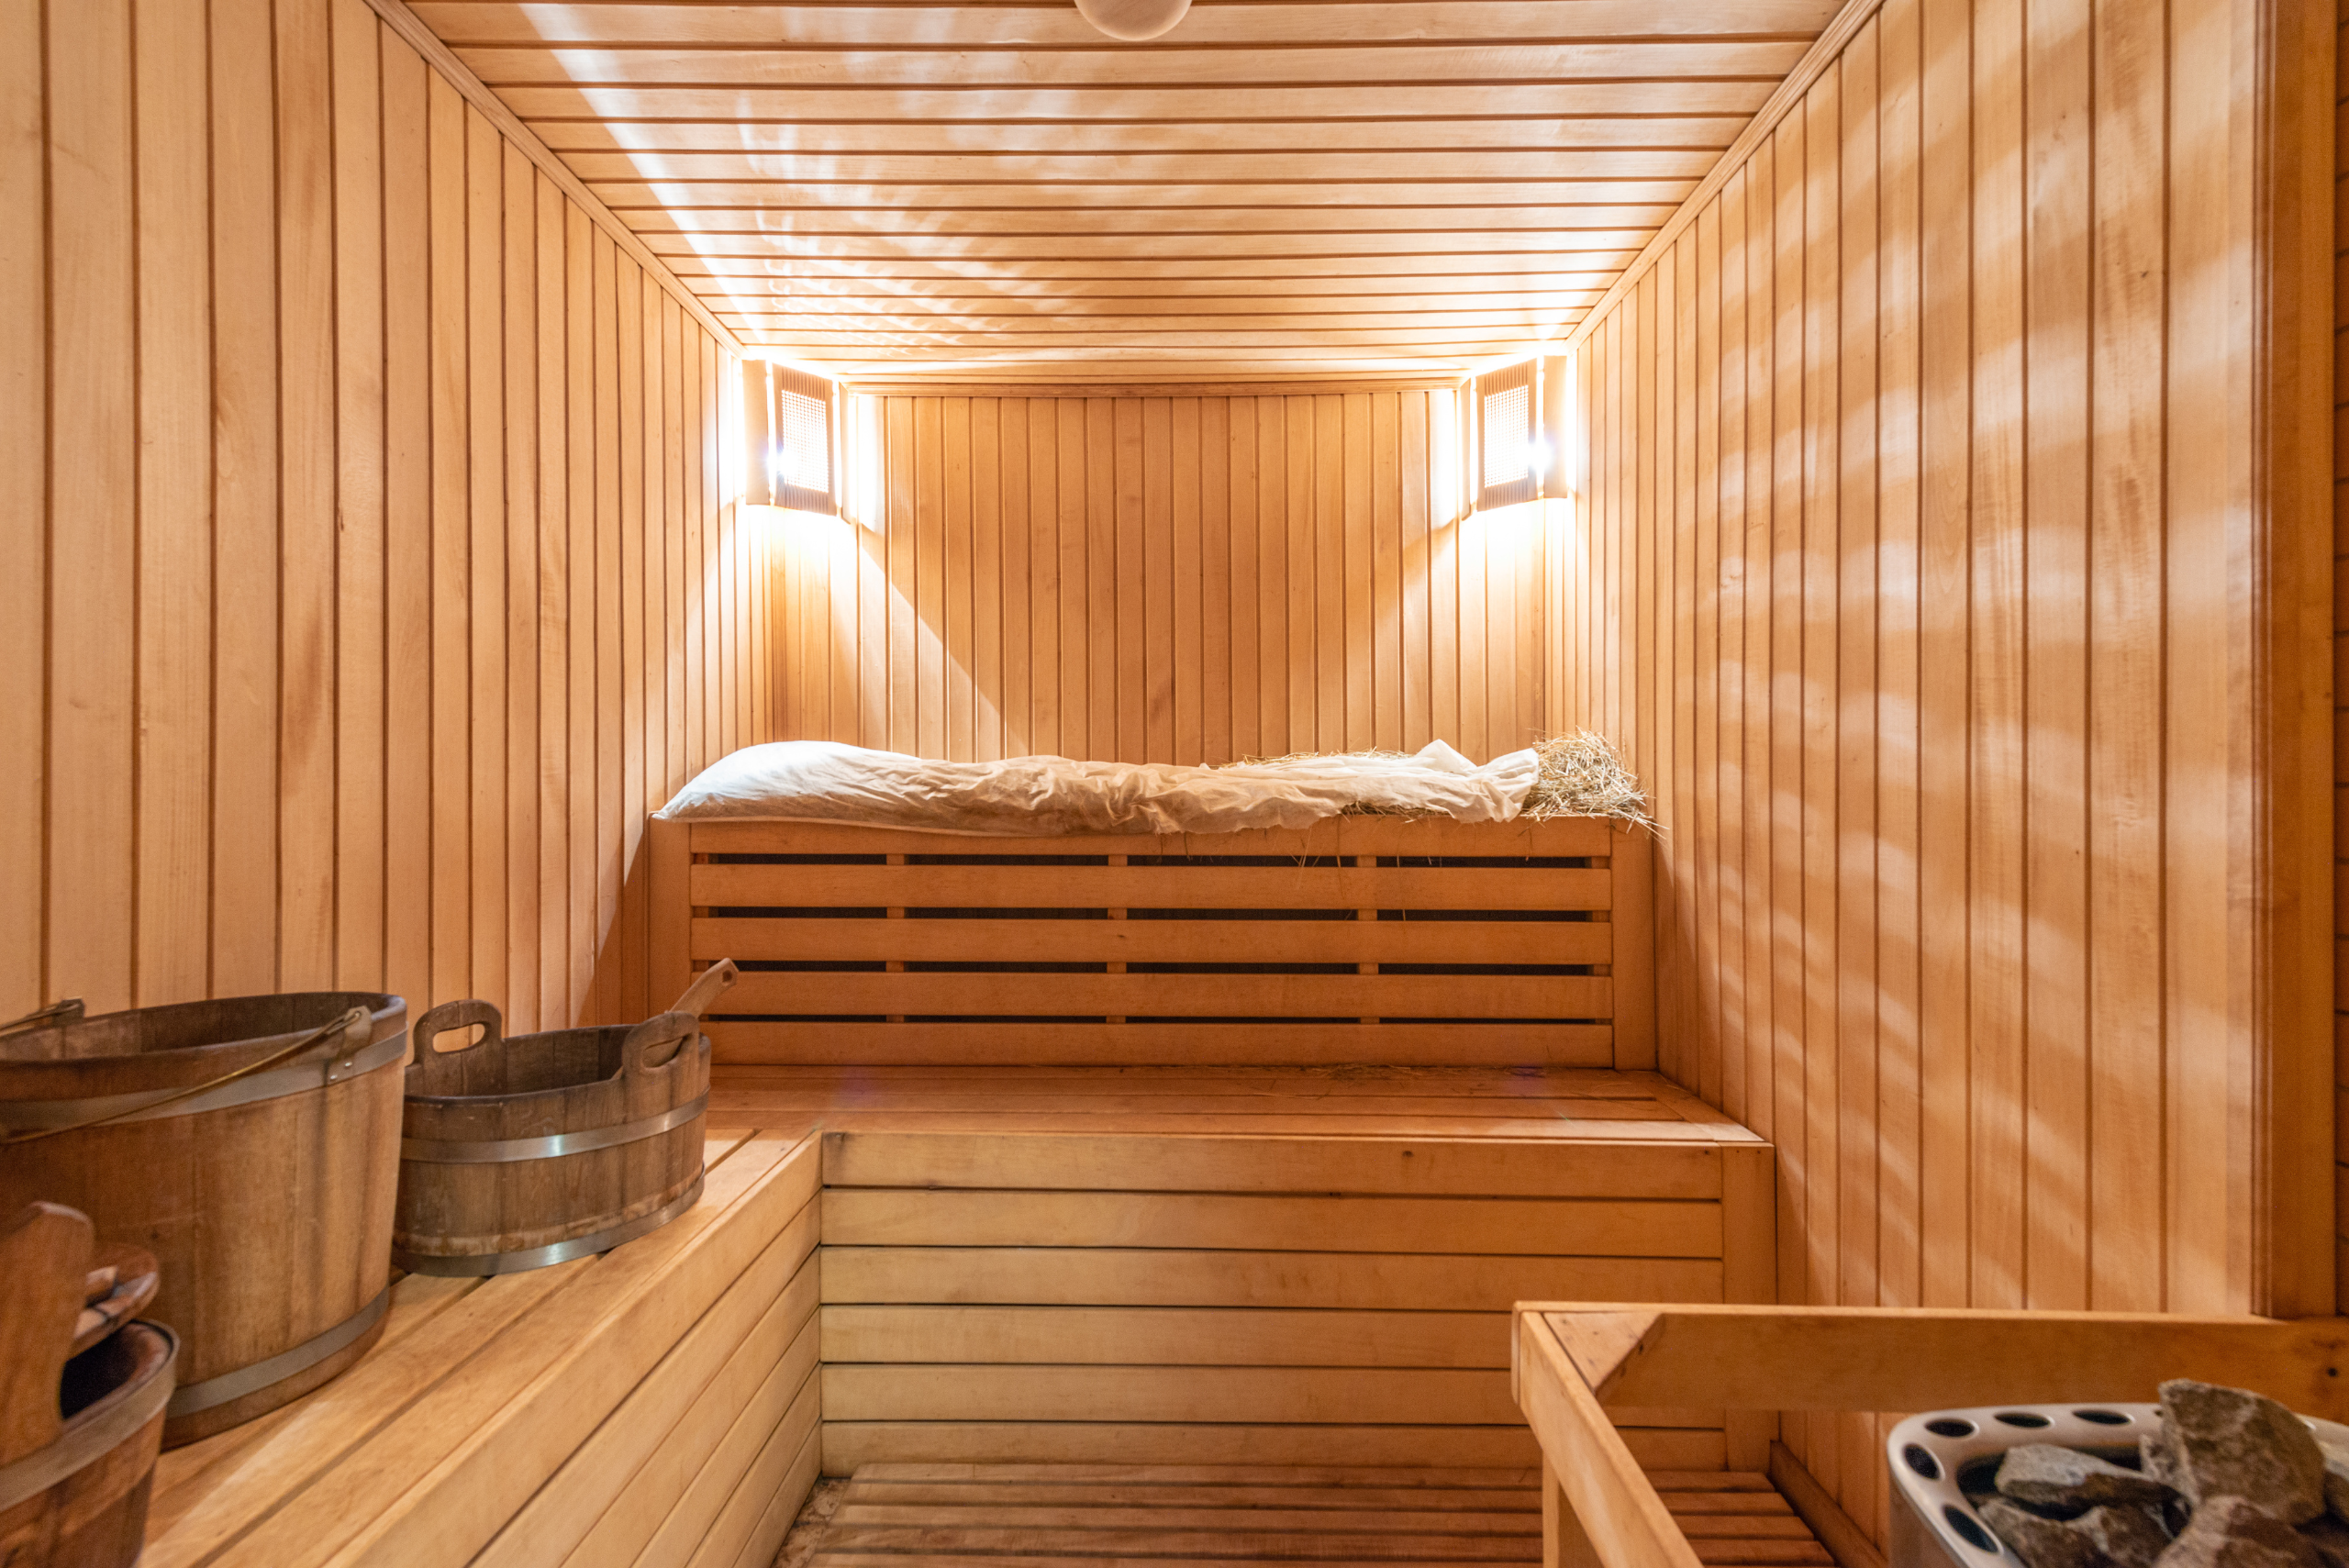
1133 20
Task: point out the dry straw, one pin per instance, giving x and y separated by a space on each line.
1581 776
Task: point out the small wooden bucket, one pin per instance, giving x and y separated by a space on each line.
252 1145
518 1154
81 1394
82 1499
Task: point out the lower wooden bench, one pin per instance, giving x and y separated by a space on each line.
1061 1516
1194 1267
1247 1265
654 1404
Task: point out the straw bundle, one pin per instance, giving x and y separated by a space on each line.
1581 776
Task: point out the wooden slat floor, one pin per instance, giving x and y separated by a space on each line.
1058 1516
1419 1102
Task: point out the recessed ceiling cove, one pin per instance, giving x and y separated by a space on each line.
999 192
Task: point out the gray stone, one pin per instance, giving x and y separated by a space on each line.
2227 1532
2055 1477
2129 1537
2157 1457
2330 1539
2336 1481
2231 1443
2040 1542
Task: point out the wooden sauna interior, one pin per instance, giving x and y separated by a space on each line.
1933 502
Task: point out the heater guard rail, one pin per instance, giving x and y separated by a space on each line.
1572 1360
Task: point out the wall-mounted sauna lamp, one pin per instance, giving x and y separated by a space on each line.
791 438
1133 20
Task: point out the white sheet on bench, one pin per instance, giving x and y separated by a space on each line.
823 780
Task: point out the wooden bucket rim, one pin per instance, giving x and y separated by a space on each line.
176 1066
693 1050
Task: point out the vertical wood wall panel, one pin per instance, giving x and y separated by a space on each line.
2341 664
1957 619
1163 579
313 625
24 533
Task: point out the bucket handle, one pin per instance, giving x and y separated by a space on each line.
451 1016
69 1011
353 1026
674 1029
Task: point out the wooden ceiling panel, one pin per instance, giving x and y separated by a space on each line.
991 190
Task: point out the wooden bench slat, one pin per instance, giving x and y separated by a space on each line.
1561 996
1103 1276
1153 942
1588 1045
1336 835
1538 1226
1116 1162
1147 888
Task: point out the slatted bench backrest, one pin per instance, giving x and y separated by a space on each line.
1362 938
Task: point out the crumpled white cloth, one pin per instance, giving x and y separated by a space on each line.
823 780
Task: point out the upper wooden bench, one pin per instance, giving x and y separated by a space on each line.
1359 939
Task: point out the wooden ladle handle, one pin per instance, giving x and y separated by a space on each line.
718 977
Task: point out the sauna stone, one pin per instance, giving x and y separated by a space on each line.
2127 1536
2041 1542
2336 1481
2330 1539
2232 1443
2063 1478
2230 1533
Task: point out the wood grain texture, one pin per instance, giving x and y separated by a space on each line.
862 943
314 696
1404 149
1188 618
532 1418
1953 872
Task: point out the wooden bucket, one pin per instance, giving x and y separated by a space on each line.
266 1197
81 1394
81 1501
518 1154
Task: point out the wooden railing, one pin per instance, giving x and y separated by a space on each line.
1572 1361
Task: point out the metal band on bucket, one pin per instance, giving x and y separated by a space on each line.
467 1265
261 1374
498 1151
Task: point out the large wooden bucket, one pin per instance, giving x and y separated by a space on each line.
266 1197
518 1154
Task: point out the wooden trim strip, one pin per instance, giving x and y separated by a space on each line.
1588 836
405 22
1781 102
1836 1530
1402 380
1599 1476
1415 888
1860 1357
